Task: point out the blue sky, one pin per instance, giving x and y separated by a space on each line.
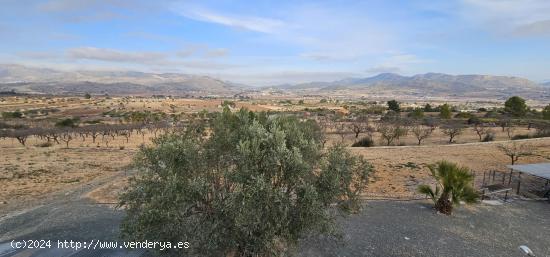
272 42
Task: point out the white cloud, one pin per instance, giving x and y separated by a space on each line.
517 17
111 55
258 24
267 78
218 52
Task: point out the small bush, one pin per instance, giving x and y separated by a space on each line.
522 136
12 115
489 137
45 144
464 115
364 142
474 120
542 133
121 147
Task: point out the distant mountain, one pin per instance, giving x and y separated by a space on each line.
40 80
22 79
546 84
429 84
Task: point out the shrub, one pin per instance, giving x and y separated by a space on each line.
490 136
67 123
364 142
521 136
253 186
474 120
464 115
12 115
45 144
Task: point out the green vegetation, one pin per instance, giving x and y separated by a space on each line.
445 111
546 112
205 185
515 106
453 186
428 108
417 113
12 115
68 123
393 105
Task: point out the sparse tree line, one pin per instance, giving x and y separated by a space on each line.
104 132
392 126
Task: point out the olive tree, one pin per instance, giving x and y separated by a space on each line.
242 184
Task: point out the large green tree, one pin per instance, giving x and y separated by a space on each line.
244 184
516 106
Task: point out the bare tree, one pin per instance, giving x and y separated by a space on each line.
341 129
480 130
504 123
452 131
510 131
515 150
390 131
361 125
66 137
421 132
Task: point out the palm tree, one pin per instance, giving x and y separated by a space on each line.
453 186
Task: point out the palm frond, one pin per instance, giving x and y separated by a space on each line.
427 190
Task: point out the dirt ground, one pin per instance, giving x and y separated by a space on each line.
31 172
399 170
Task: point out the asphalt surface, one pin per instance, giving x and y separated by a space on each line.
384 228
414 229
65 215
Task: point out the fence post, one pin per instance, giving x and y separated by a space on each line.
510 180
519 183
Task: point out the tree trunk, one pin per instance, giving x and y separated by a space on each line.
444 205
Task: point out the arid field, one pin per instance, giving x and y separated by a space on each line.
35 170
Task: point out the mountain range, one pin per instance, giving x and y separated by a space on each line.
429 84
49 81
40 80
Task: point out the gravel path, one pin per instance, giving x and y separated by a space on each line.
384 228
387 228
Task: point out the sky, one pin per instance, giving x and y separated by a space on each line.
286 41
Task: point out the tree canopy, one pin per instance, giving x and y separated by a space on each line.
393 105
515 106
445 111
244 183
